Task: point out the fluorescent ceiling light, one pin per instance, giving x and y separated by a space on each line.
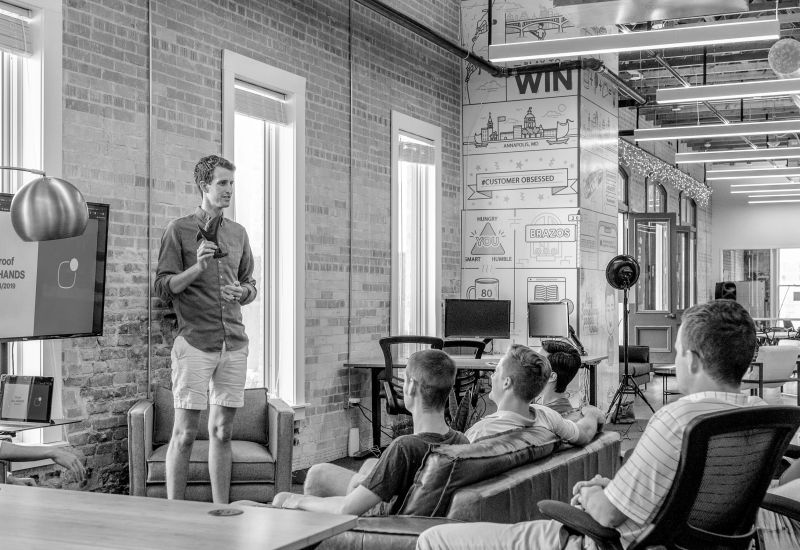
776 195
730 90
763 184
738 155
718 130
773 201
752 173
762 191
683 37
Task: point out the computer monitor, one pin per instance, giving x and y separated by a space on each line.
548 320
477 318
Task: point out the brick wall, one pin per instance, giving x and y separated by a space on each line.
105 154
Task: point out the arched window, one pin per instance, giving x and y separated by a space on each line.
656 197
687 210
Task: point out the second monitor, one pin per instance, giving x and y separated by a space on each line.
548 320
477 318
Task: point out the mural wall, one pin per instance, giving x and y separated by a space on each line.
539 220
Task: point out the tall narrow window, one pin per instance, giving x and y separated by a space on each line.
30 137
656 197
263 133
416 231
259 115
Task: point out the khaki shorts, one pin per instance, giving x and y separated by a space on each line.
200 377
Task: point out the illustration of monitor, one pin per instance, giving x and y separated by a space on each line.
548 320
477 318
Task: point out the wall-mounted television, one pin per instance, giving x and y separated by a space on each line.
52 289
477 318
548 319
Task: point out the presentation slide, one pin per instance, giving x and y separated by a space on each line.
47 288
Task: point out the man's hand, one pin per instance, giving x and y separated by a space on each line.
69 461
597 414
204 253
577 491
232 292
286 500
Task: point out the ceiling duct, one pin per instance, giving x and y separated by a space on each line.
784 60
613 12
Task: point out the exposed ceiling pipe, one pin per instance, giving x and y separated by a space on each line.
492 68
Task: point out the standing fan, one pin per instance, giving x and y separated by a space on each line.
622 273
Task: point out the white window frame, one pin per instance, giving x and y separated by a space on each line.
409 125
41 148
287 255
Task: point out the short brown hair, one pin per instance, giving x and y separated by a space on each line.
723 334
564 360
528 371
435 373
204 169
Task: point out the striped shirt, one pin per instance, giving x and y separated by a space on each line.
641 485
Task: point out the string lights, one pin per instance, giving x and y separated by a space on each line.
642 162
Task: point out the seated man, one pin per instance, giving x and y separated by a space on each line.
27 453
565 361
519 377
430 375
713 348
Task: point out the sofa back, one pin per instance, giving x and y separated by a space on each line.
250 423
636 354
447 468
512 496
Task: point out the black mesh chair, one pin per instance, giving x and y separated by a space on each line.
725 467
392 385
465 379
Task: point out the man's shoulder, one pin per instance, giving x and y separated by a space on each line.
182 222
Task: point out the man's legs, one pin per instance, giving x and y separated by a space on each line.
330 480
539 535
220 429
184 431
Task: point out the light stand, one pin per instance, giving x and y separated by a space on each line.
622 273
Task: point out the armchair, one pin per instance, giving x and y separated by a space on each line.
639 365
263 435
726 464
773 367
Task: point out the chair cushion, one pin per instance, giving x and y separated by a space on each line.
635 369
447 468
252 462
249 424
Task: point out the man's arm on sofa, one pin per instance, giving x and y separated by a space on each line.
592 419
280 441
357 502
140 444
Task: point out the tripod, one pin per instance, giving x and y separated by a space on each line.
628 384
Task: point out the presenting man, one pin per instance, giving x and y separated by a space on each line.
713 349
205 268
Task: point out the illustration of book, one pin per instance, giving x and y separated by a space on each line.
545 293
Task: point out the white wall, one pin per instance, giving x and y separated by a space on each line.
751 226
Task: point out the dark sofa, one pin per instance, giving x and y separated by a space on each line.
499 479
639 365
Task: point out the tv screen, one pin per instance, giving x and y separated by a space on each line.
55 289
548 320
477 318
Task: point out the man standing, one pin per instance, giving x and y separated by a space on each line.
713 349
205 268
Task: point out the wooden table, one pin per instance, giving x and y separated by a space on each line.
36 518
463 362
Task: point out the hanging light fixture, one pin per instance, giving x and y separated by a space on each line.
738 155
752 173
734 129
681 37
47 209
730 90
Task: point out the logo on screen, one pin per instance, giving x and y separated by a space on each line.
67 276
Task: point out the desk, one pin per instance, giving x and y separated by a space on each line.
11 428
376 367
36 518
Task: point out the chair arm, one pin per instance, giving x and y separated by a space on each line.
140 444
580 522
782 505
280 441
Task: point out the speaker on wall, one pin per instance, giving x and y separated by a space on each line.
725 290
